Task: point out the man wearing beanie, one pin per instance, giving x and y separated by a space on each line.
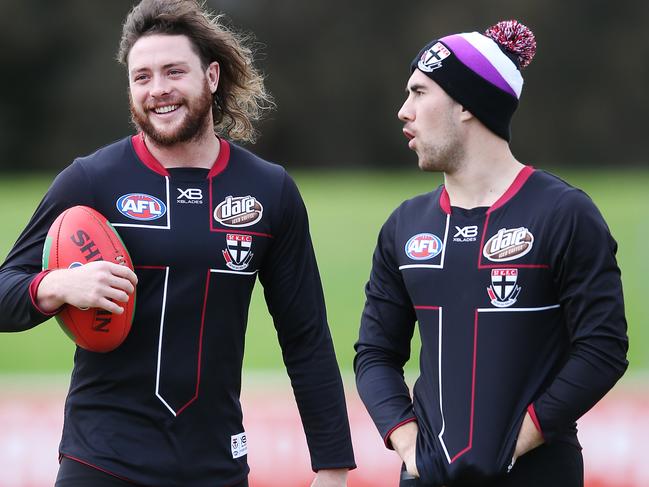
510 273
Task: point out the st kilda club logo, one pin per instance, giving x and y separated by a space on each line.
432 58
238 211
503 290
238 253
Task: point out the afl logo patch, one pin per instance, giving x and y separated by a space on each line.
139 206
508 244
238 211
423 246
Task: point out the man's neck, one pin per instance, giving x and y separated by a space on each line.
200 153
483 177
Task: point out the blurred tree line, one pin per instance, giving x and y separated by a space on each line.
337 70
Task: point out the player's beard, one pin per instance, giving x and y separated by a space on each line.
444 155
196 123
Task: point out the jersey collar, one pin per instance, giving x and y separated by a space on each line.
145 156
517 184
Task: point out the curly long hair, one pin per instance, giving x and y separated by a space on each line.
241 97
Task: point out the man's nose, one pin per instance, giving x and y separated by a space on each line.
405 113
159 86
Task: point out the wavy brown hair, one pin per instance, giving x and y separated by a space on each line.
241 97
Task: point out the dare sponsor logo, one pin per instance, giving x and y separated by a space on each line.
423 246
508 244
238 211
139 206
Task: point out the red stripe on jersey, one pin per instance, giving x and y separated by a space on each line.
200 347
78 460
475 357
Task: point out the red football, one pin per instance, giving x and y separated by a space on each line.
80 235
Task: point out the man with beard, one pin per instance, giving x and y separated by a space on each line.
201 218
511 275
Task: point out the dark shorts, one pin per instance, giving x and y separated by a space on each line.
556 465
77 474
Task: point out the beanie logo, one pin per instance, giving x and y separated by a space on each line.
432 58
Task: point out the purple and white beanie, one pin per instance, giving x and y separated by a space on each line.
482 71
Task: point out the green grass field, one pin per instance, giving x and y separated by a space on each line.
346 210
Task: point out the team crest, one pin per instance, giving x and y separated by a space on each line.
237 254
503 290
423 246
432 58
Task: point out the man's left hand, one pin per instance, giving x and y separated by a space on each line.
330 477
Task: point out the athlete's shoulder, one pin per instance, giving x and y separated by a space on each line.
244 160
421 202
558 194
109 153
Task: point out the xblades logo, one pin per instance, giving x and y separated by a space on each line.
466 234
192 196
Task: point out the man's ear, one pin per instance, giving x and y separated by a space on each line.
213 74
465 115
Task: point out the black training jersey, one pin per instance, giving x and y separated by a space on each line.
519 308
163 408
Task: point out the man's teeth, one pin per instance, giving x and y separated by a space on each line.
167 109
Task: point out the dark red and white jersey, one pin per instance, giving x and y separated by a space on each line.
163 409
519 308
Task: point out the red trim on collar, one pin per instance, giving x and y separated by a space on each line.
222 160
518 183
149 160
142 152
445 201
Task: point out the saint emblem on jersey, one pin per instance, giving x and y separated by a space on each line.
432 58
508 244
423 246
503 290
237 255
238 211
139 206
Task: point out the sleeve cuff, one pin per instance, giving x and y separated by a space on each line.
33 288
386 438
532 412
